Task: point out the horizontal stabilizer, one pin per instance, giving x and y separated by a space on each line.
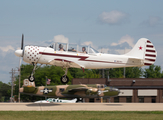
135 61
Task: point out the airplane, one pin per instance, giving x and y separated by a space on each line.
79 91
53 100
85 57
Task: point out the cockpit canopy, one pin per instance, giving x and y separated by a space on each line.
73 48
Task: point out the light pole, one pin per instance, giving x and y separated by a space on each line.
46 86
12 82
19 83
124 70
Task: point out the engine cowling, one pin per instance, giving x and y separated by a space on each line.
31 54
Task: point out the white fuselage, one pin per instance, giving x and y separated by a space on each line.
53 100
142 54
46 55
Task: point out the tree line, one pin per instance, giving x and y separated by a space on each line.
54 73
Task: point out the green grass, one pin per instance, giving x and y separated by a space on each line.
81 115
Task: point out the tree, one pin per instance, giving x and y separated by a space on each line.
130 72
92 74
153 71
133 72
116 73
87 73
4 91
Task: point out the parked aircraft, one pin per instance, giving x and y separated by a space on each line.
69 91
53 100
85 57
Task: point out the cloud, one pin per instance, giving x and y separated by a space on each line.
124 45
60 38
57 38
113 17
7 48
7 62
124 39
122 51
104 50
152 21
87 43
159 55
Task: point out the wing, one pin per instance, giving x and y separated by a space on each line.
77 89
65 63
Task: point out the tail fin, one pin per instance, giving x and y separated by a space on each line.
27 83
144 50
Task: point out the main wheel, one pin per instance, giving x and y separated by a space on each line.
64 79
31 78
79 100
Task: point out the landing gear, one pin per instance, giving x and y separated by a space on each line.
79 100
64 79
31 77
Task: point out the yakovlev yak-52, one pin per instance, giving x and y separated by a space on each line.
69 91
85 57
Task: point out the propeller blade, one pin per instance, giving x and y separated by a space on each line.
20 61
22 43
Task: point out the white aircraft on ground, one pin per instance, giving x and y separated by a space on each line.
53 100
85 57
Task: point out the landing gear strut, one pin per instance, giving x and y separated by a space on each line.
31 77
64 79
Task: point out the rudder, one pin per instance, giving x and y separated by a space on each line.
150 54
144 50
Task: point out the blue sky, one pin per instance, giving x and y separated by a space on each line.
109 24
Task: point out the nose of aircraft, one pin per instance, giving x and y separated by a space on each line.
19 53
111 91
117 90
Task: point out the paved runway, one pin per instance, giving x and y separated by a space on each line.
81 107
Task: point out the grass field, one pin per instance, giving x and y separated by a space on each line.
80 115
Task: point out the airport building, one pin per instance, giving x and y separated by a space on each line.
133 90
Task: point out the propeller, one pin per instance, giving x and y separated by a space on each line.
22 42
20 53
20 61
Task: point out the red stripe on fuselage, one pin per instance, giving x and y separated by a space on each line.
63 55
63 60
82 58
